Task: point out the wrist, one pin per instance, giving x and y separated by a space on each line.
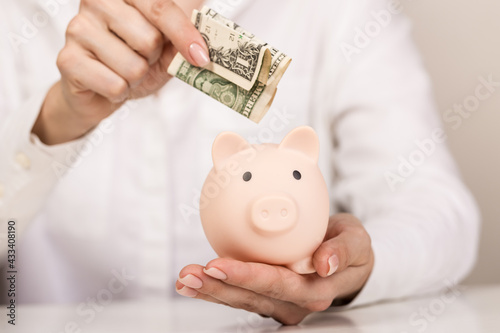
57 122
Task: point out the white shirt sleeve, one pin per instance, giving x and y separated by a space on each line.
393 168
28 169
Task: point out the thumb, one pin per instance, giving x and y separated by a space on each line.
331 256
348 245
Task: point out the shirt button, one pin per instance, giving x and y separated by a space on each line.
23 160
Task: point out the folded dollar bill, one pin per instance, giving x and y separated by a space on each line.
244 71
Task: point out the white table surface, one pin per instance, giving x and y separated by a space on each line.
465 309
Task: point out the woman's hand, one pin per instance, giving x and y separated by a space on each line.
115 50
343 263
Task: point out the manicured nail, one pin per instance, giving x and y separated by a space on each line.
199 54
191 281
333 264
215 273
187 292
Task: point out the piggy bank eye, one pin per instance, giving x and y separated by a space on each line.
297 175
247 176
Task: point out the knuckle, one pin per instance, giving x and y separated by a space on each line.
359 231
159 7
137 71
66 59
117 89
291 319
186 270
92 3
317 305
362 237
85 3
73 90
277 288
294 283
345 257
77 27
249 303
102 9
366 240
150 43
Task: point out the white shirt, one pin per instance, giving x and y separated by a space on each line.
128 200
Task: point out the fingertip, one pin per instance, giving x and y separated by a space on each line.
321 260
190 44
333 264
191 269
214 262
187 292
199 55
216 273
321 268
193 49
220 262
327 265
226 268
178 285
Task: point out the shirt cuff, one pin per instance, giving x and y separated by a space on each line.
29 168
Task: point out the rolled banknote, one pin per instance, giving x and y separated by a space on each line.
244 71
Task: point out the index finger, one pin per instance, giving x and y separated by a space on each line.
176 26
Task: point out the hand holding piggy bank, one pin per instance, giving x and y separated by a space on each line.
266 203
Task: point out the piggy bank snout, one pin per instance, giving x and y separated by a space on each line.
274 214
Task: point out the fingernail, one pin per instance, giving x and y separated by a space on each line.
199 54
215 273
186 291
333 264
191 281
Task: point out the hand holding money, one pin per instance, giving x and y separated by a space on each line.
244 71
115 52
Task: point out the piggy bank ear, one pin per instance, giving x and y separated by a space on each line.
225 145
303 139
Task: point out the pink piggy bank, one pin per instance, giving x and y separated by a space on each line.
266 203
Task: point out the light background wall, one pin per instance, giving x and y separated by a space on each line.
459 41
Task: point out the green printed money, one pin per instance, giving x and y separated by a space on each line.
244 71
